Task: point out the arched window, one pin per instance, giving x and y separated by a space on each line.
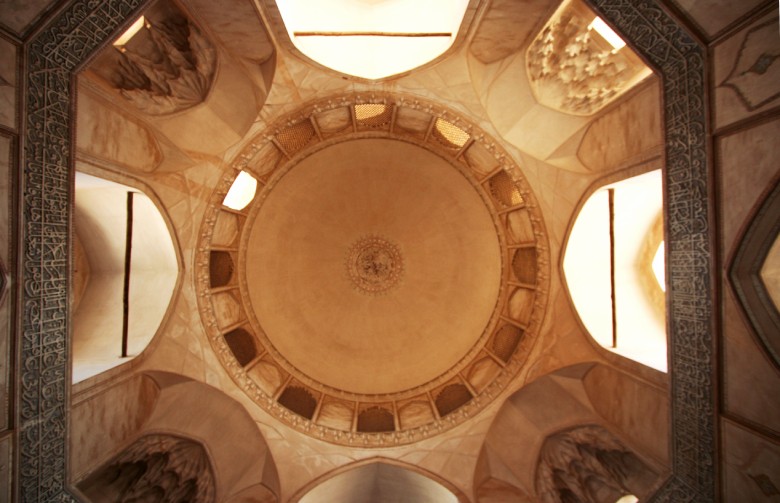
613 265
124 274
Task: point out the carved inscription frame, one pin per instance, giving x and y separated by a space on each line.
81 27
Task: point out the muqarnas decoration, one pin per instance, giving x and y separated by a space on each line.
166 66
154 468
588 464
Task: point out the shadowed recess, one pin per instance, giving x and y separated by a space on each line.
375 419
452 397
242 344
299 401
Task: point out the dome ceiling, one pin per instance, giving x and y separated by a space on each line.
388 278
372 266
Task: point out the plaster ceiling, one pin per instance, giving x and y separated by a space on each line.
299 270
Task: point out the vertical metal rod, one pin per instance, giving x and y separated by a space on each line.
611 193
128 252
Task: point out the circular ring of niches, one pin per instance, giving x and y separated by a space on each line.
383 412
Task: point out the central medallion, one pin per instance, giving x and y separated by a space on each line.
374 265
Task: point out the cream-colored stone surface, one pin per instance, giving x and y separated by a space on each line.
105 132
239 28
497 491
716 15
750 464
8 83
512 108
574 69
746 70
506 27
637 409
379 483
238 452
103 422
81 272
221 120
516 435
18 15
550 404
626 133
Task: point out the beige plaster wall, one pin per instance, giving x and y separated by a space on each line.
104 422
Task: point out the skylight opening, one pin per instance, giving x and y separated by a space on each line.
241 192
134 28
607 33
372 40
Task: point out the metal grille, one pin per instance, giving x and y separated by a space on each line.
504 190
449 134
373 114
524 265
505 341
295 137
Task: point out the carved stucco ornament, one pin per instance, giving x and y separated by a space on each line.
574 70
155 467
374 264
587 464
166 67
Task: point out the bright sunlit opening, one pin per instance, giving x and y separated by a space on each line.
241 192
130 32
628 498
601 262
608 33
373 39
659 267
